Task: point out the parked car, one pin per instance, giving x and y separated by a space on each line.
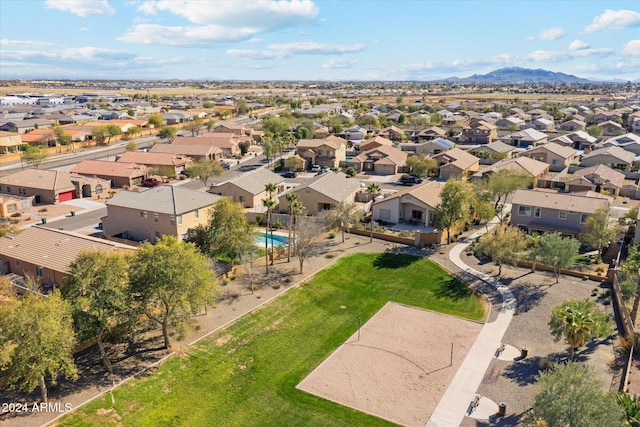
151 182
290 174
410 180
316 168
325 169
225 165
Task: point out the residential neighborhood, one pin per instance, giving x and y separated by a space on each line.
200 217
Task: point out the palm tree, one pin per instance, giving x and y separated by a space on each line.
271 190
269 204
298 209
374 190
291 198
578 321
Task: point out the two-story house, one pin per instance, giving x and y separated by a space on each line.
536 211
148 215
329 151
249 189
556 155
612 156
456 164
323 192
479 132
526 137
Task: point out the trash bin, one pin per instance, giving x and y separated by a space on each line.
73 213
524 352
502 409
43 220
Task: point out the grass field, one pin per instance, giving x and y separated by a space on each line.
247 374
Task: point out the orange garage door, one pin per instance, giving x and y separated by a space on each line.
69 195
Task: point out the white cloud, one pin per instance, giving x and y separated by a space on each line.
339 63
557 55
578 45
549 34
220 22
284 50
25 43
632 48
498 60
614 20
81 7
84 29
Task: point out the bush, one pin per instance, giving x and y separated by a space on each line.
404 233
351 172
42 210
332 234
277 167
16 215
225 282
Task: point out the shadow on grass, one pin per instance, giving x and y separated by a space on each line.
454 289
390 260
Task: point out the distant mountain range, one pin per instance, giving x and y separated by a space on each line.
520 75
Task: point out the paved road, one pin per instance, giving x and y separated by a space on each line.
81 221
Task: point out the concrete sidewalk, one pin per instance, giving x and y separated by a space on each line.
455 403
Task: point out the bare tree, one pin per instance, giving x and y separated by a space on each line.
252 273
308 231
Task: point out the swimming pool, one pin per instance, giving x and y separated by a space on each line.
277 239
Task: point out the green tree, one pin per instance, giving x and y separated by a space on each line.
100 134
557 252
134 131
631 407
369 122
373 189
36 342
271 190
505 245
418 121
205 169
242 107
422 166
454 206
34 155
61 135
227 232
210 125
297 208
503 183
344 214
168 133
244 147
131 146
112 130
570 395
208 104
97 288
169 281
291 199
269 204
156 121
598 232
578 321
276 125
195 126
631 266
595 131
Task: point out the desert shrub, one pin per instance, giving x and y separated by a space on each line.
404 233
332 234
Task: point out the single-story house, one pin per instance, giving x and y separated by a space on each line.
572 125
433 132
381 161
614 157
535 168
227 142
51 186
556 155
46 253
10 142
511 122
525 138
580 140
196 152
392 132
375 142
610 128
174 162
497 150
433 147
596 178
120 174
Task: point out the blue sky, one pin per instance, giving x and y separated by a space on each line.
315 40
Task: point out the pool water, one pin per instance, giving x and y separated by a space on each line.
277 239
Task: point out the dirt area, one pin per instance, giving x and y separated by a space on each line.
34 214
397 366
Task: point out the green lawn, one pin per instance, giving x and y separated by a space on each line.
250 379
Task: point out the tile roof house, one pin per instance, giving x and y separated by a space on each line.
580 140
120 174
610 128
595 178
556 155
536 211
494 150
541 124
479 132
525 138
628 141
323 192
432 147
196 152
381 161
572 125
414 205
392 132
433 132
46 253
375 142
511 122
175 162
227 142
614 157
328 152
27 125
249 189
51 186
525 165
10 142
456 164
164 210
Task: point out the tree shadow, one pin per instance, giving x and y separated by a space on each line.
512 420
524 371
528 295
391 260
454 289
